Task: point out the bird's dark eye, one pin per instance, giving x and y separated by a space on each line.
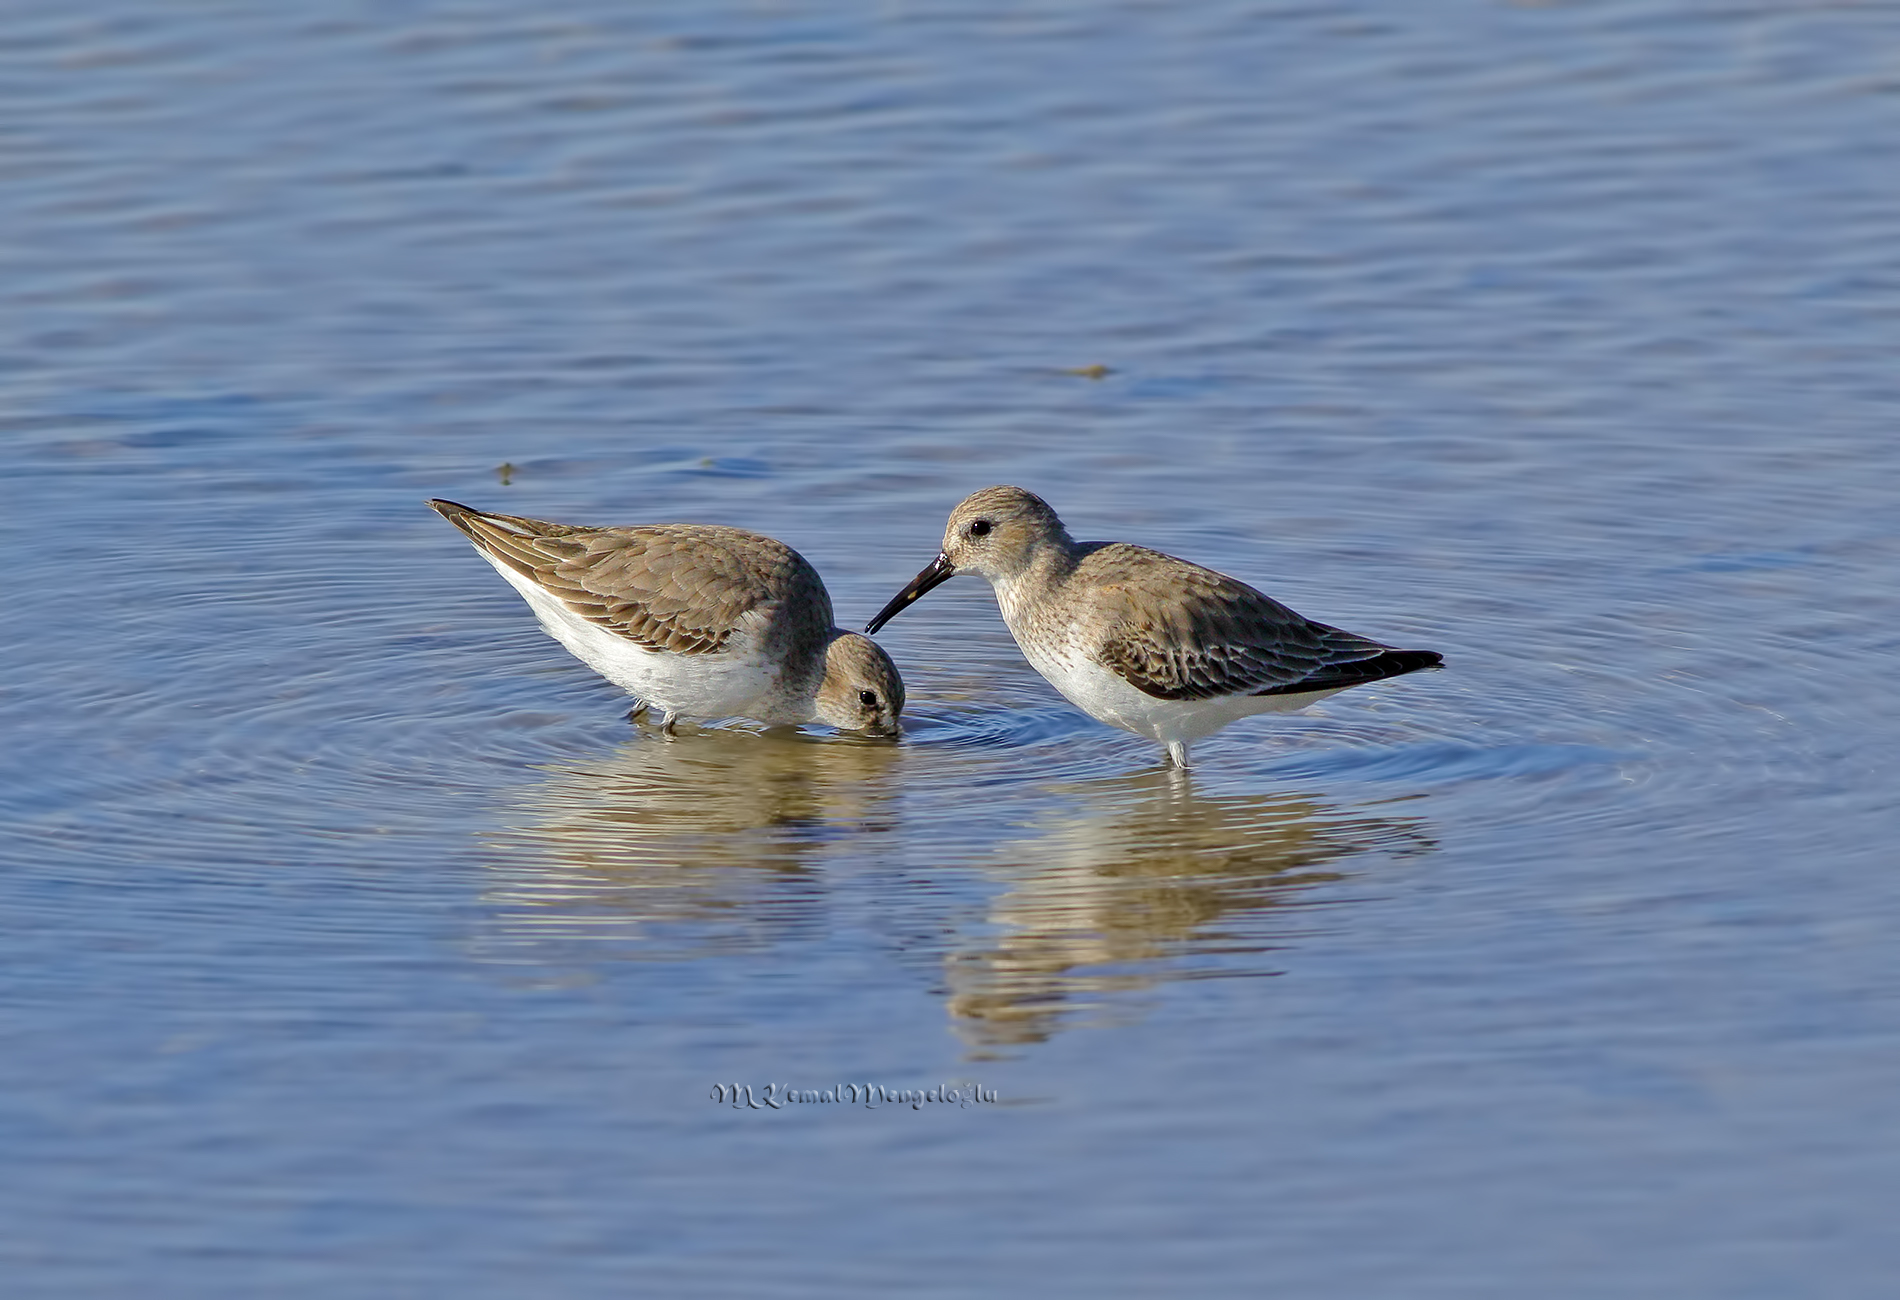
868 699
980 528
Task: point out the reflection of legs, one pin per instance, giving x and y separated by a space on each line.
1177 753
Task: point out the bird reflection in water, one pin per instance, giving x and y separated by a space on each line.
746 841
696 847
1138 880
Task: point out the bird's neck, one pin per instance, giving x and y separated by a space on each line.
1049 566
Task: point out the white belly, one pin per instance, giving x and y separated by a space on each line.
1103 695
731 682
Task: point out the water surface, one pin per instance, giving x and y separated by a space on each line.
357 943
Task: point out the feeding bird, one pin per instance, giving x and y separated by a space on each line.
697 619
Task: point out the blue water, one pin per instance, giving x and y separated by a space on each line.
356 944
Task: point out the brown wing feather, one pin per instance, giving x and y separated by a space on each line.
1212 635
674 587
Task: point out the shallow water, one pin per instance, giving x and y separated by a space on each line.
357 943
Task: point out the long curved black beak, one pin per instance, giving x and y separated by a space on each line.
940 570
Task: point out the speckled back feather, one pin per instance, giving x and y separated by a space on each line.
1214 635
675 587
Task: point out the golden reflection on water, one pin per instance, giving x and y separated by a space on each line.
1130 876
706 841
731 840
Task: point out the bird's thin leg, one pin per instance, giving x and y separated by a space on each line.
666 724
1177 753
638 711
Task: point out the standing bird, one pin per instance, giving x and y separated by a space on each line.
697 619
1141 640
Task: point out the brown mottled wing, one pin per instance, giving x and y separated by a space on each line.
674 587
1177 631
